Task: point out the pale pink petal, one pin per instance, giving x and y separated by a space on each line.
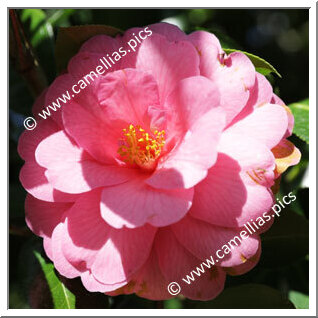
168 62
135 203
176 263
203 240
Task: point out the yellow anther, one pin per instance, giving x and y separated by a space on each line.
140 147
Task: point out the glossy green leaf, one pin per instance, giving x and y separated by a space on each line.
300 300
300 111
70 39
247 296
62 297
286 241
260 64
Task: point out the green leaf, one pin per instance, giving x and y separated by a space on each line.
300 300
173 303
260 64
70 39
287 241
300 111
62 297
247 296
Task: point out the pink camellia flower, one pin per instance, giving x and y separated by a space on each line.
155 165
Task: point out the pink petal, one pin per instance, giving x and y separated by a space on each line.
256 161
61 264
124 253
176 263
224 199
42 217
30 139
122 98
260 94
209 50
148 282
248 265
194 118
32 176
93 285
168 62
85 232
134 203
60 86
91 132
169 31
267 124
203 240
71 170
234 78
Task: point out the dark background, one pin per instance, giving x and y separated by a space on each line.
278 36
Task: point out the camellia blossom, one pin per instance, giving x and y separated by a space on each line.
155 165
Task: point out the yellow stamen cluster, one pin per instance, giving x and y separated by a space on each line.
140 147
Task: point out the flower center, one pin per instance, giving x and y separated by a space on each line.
141 148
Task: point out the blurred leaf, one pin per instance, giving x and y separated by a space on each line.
301 113
286 241
260 64
62 297
40 28
173 303
247 296
300 300
69 41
